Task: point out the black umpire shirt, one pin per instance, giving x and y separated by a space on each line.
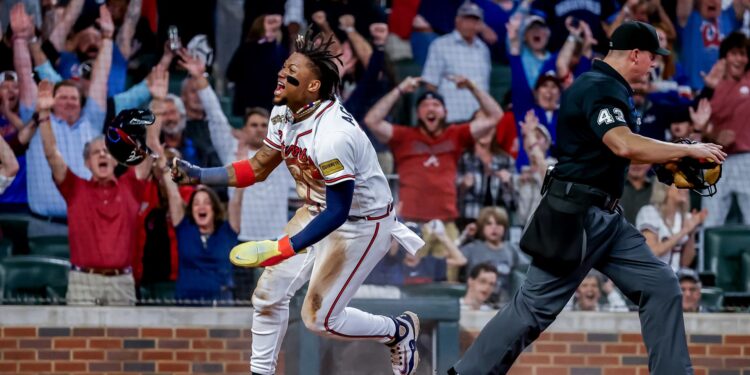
596 102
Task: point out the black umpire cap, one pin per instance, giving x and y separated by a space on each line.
636 35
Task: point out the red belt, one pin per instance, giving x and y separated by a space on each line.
104 271
373 217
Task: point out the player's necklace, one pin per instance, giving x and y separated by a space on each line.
306 110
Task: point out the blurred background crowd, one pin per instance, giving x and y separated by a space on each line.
418 76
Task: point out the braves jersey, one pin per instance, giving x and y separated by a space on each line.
326 148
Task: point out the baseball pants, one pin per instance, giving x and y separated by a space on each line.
619 251
336 267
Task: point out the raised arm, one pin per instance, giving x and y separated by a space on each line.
537 158
375 118
581 34
176 205
454 257
683 10
623 15
103 62
127 30
665 20
481 125
218 125
51 152
362 49
513 30
158 85
8 161
23 31
234 209
62 28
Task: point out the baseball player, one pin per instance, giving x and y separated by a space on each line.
578 225
342 231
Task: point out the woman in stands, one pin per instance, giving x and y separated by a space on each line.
668 226
205 236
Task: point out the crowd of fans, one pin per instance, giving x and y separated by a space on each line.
467 167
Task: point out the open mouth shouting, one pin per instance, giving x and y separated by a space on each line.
280 86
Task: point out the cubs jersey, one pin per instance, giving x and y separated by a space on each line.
326 148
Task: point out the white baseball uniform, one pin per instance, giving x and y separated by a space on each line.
326 148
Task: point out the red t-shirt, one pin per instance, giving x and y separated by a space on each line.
427 170
507 135
730 110
102 219
401 17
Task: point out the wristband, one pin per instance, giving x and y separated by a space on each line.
217 176
285 246
243 173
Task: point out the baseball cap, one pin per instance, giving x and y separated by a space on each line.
636 35
469 9
688 274
533 19
430 95
550 76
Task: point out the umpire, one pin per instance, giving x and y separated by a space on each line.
578 224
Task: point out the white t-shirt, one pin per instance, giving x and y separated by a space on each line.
326 148
650 219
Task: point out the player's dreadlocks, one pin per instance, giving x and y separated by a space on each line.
318 50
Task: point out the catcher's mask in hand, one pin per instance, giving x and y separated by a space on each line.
699 175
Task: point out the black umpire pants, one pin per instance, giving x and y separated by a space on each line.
619 251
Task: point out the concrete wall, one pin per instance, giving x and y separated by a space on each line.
72 340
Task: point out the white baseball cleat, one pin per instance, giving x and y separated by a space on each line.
404 355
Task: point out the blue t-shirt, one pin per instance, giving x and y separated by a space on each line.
204 273
429 270
699 43
389 271
496 17
16 192
67 66
523 101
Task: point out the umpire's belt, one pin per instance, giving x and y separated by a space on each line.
384 214
104 271
584 195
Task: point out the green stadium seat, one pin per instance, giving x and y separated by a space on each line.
34 279
499 81
53 246
724 249
6 248
14 227
745 272
712 298
434 290
160 293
